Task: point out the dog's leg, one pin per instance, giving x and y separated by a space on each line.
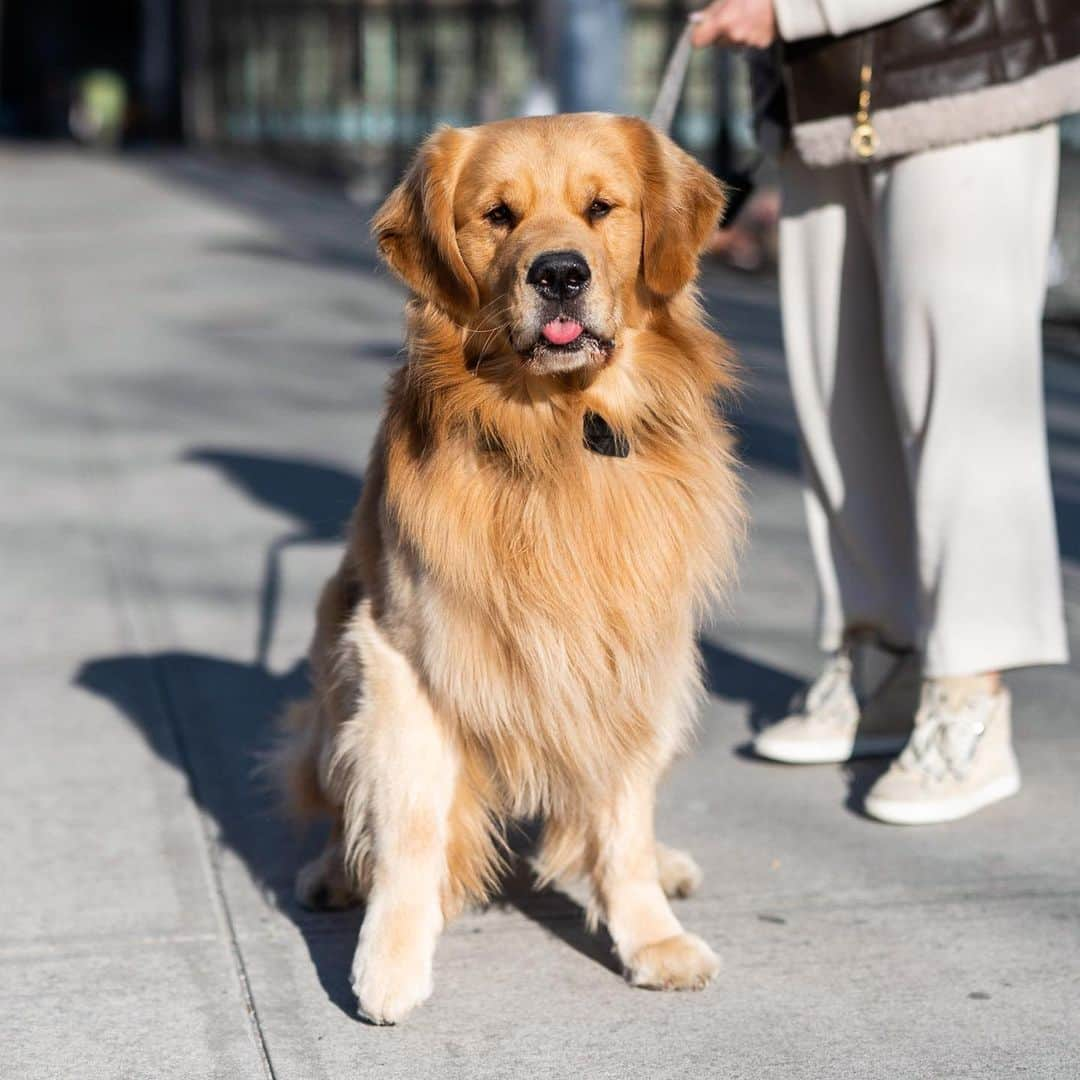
654 948
680 875
402 773
323 884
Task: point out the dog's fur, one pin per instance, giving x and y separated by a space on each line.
511 632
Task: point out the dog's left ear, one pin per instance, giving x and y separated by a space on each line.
681 204
415 229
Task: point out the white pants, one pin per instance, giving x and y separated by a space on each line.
912 296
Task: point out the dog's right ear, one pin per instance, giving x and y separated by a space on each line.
415 231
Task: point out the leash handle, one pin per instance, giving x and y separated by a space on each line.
671 86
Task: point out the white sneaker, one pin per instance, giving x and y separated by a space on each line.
958 760
830 725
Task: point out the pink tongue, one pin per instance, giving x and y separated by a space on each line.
561 331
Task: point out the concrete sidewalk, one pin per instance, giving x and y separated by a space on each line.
193 358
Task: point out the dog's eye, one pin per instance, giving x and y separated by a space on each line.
599 208
500 215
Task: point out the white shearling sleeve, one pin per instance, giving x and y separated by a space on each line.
798 19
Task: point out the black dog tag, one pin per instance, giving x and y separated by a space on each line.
601 438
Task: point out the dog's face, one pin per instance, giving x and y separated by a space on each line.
546 238
548 222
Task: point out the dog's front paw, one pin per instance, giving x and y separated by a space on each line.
679 874
681 962
388 990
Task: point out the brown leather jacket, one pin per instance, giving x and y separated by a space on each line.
949 72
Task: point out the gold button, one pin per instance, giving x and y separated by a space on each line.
865 141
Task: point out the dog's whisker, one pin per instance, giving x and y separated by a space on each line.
481 328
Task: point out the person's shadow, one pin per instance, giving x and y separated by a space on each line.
318 497
767 690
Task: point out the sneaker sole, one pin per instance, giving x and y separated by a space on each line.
828 751
936 811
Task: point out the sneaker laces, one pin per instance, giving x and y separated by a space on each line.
946 735
830 689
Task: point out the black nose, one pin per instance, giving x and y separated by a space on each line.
559 275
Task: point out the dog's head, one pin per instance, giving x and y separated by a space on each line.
548 237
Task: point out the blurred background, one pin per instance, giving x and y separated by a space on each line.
347 88
336 85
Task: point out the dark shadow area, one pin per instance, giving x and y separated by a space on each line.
1068 520
766 689
210 717
1063 400
860 776
558 914
318 497
768 444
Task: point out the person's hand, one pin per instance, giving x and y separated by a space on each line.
735 22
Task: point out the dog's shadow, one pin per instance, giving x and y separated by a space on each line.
210 716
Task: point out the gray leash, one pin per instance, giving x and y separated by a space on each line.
671 86
739 183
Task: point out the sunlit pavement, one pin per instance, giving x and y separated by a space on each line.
192 363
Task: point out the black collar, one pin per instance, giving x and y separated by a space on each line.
601 438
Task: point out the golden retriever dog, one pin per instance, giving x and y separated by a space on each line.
550 501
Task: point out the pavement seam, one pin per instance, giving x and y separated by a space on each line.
131 556
77 946
210 851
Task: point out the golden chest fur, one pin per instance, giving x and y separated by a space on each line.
548 592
